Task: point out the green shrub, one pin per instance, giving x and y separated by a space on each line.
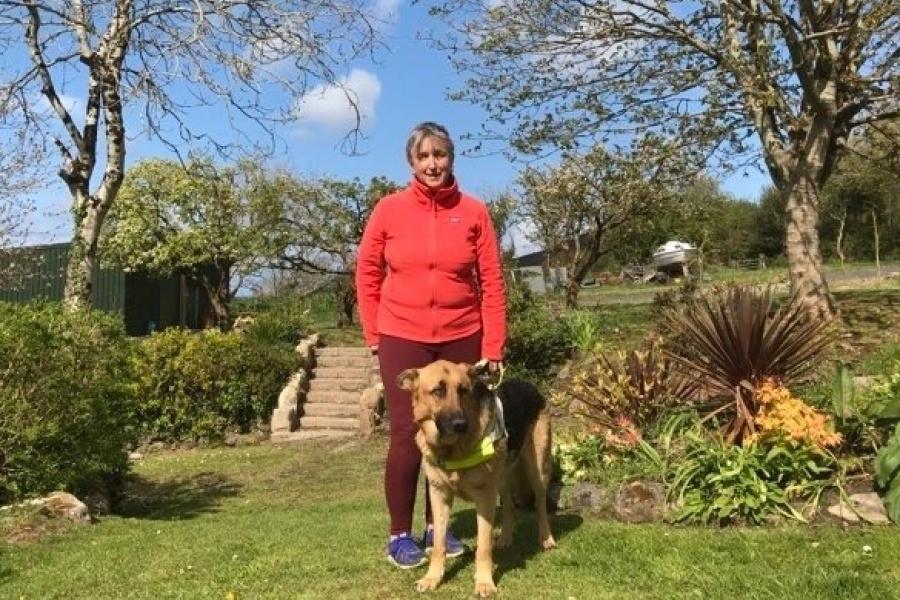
287 324
715 481
584 329
277 320
579 459
634 386
537 339
197 386
887 474
65 411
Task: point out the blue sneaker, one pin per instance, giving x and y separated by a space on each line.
454 546
404 552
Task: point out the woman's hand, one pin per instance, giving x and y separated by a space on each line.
374 349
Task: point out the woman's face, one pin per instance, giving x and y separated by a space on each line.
431 163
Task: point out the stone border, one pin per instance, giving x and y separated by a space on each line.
371 410
372 403
285 417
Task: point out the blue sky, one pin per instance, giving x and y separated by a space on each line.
407 84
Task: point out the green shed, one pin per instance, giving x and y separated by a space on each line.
145 302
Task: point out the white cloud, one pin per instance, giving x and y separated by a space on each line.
332 106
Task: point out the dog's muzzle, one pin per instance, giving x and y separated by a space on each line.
452 423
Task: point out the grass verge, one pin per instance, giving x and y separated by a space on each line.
275 522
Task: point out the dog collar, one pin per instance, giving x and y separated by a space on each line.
481 454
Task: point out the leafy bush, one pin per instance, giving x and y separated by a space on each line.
277 320
287 324
718 482
883 398
887 474
65 412
637 386
537 340
733 341
579 459
584 329
197 386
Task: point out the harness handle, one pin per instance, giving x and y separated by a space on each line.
482 365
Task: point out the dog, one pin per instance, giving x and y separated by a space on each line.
474 443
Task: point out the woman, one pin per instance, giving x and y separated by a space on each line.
429 286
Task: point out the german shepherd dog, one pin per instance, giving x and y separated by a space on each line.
456 412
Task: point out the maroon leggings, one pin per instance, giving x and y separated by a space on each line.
401 474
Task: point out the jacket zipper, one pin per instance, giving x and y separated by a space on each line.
431 266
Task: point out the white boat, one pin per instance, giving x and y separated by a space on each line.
673 255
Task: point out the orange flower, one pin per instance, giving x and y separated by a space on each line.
782 413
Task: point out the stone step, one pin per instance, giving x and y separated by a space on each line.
329 423
343 351
310 434
358 362
343 373
331 409
319 384
332 397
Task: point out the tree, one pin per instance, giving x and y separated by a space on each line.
865 190
795 76
697 211
213 224
770 226
323 226
576 205
155 61
19 160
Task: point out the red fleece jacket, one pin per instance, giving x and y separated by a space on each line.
429 270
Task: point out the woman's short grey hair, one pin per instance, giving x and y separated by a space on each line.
424 130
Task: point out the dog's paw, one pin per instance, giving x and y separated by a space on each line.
428 583
548 543
485 588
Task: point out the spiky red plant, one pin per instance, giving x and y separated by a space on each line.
733 340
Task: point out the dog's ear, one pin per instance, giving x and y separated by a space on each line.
407 379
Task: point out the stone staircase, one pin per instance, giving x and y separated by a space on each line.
331 406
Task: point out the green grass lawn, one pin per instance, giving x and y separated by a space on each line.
307 521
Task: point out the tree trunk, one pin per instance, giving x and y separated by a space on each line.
839 243
82 260
877 242
217 292
219 305
573 286
804 256
346 302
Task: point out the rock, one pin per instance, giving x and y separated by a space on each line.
589 497
242 323
63 504
158 446
284 417
254 438
869 506
640 502
135 456
368 414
